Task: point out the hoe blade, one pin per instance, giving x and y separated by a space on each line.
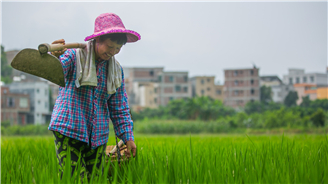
46 66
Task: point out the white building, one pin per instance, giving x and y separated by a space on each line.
39 99
298 76
278 88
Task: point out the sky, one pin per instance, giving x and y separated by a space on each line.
203 38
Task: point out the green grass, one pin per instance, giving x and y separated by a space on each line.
184 159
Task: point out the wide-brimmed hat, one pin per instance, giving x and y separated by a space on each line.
108 23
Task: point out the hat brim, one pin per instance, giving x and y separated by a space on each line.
131 36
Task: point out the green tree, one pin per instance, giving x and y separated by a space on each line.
291 99
265 94
305 101
318 118
6 70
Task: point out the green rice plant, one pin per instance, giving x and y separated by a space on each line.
181 159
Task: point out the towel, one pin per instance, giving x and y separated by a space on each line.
86 74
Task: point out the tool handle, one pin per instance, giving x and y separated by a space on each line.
44 48
120 144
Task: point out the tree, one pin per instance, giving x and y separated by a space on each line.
291 99
6 70
318 118
305 101
265 95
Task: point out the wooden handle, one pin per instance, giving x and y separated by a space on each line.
44 48
120 144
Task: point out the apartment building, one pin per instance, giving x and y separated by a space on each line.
278 88
139 74
173 85
205 86
298 76
146 95
241 86
39 99
303 90
322 93
14 107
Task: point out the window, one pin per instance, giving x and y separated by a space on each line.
311 78
45 105
185 78
252 72
155 100
185 89
37 90
171 98
208 80
171 78
235 73
304 79
208 89
252 91
160 78
202 92
235 92
297 80
5 91
202 81
151 73
290 80
23 102
252 81
218 92
177 88
11 102
236 83
155 90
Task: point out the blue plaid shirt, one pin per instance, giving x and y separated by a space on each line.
85 113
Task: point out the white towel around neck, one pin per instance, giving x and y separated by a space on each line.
86 74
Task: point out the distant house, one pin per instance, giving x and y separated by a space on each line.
241 86
205 86
278 88
173 85
304 90
15 107
298 76
39 99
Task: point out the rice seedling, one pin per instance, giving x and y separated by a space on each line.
181 159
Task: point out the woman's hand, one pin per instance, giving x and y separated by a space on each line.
131 148
58 53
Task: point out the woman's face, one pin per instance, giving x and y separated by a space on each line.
106 49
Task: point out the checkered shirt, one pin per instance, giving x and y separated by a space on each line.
85 113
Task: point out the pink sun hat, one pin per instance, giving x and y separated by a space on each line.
108 23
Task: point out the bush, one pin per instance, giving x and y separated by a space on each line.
318 118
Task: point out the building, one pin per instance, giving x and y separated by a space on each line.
14 107
38 92
278 88
173 85
298 76
241 86
138 74
322 93
146 95
304 90
205 86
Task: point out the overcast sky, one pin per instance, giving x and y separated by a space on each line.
203 38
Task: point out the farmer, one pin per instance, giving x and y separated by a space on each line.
94 95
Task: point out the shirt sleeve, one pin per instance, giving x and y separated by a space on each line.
67 61
120 115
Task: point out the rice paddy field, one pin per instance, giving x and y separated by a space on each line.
182 159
